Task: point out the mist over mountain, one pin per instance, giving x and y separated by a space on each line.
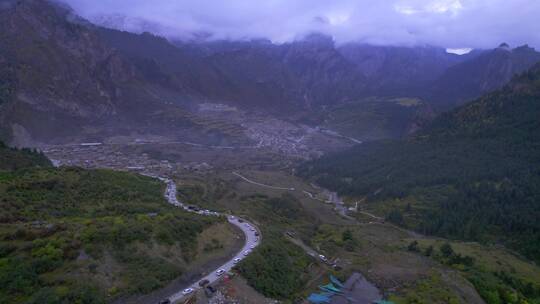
59 69
315 71
443 23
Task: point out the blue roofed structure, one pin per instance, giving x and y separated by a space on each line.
336 281
357 290
330 288
319 298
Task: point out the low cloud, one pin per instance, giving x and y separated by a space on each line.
446 23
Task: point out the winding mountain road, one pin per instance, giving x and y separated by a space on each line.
259 184
249 230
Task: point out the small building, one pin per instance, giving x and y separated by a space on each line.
357 290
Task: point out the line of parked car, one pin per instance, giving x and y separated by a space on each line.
205 283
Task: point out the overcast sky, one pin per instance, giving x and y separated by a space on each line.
446 23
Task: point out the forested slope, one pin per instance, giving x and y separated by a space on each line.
13 159
69 235
473 174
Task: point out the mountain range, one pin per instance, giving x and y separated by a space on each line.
483 74
62 77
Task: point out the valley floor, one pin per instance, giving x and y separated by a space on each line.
259 187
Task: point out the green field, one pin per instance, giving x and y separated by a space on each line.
375 118
498 275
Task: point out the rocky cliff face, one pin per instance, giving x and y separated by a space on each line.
60 71
255 74
59 62
60 80
326 76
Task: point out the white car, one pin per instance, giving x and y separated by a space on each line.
252 246
236 261
247 252
232 217
220 272
323 258
187 291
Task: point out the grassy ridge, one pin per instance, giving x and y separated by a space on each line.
375 118
276 269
